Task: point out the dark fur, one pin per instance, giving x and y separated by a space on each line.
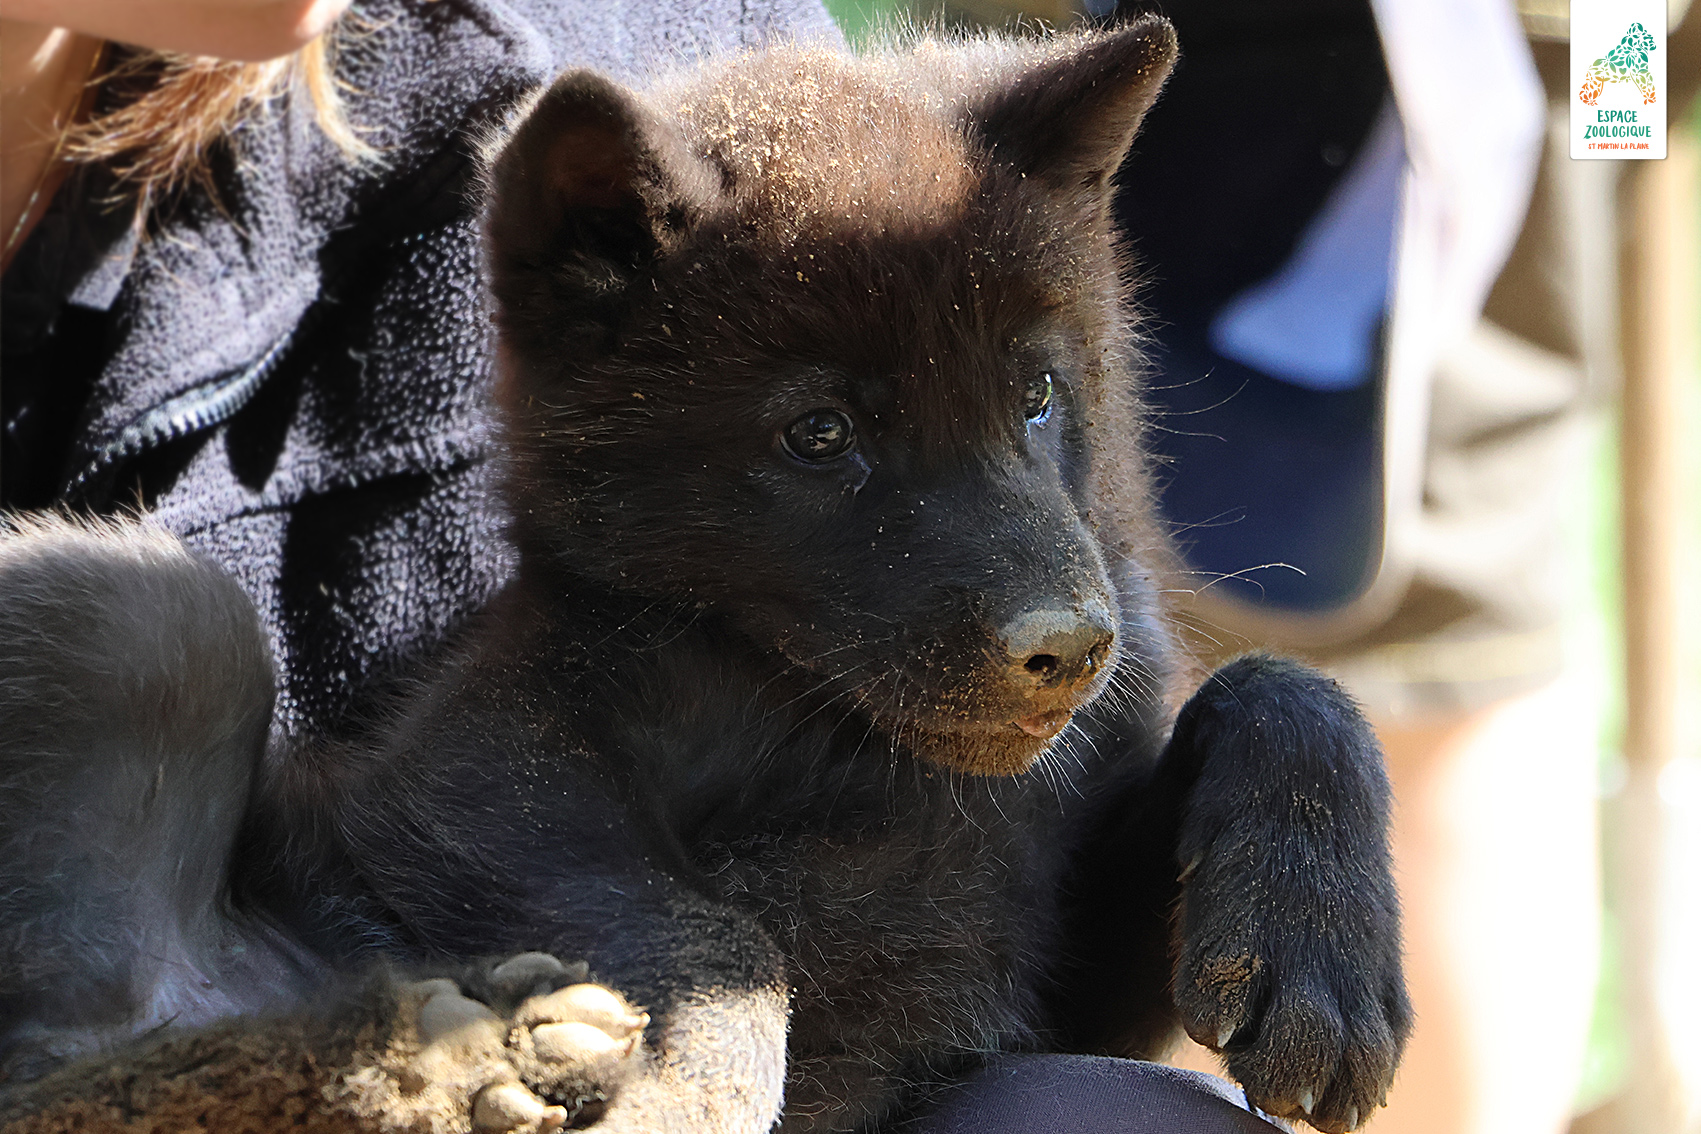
744 733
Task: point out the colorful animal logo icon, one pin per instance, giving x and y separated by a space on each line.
1626 63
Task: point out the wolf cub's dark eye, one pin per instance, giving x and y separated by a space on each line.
819 435
1036 397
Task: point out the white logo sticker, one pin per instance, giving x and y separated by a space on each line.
1618 79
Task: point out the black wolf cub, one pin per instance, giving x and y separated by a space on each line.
825 720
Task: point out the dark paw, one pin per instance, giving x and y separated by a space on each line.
537 1049
1310 1036
1289 959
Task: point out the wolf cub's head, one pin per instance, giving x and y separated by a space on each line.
836 346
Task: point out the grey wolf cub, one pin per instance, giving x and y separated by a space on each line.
826 718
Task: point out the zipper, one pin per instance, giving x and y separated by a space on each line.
189 412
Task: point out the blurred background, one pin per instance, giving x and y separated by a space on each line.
1428 396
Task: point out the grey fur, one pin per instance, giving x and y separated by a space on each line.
135 690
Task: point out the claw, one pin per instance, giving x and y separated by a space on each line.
1187 871
1307 1101
1225 1035
1352 1118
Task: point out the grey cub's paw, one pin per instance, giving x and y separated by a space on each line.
525 1044
135 694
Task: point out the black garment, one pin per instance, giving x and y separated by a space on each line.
293 375
1090 1094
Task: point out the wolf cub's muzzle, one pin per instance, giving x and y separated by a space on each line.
1053 657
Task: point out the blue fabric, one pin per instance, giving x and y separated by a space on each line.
1315 322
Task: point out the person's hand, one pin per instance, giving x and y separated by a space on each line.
228 29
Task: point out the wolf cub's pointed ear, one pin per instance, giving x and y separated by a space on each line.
1068 117
588 191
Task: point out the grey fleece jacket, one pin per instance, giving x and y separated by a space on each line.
293 375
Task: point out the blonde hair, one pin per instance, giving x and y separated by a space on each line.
167 113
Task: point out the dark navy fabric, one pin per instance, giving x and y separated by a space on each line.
1089 1094
294 370
1267 109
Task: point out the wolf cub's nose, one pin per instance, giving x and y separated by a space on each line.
1056 646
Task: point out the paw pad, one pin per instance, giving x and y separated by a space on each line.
529 974
447 1013
576 1044
525 1045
